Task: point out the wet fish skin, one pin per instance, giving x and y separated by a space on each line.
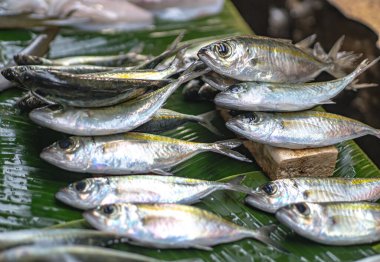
340 224
93 192
264 59
115 119
282 97
306 129
273 195
171 226
71 253
74 69
55 237
151 153
218 81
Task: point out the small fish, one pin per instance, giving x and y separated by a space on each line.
74 69
71 253
56 237
115 119
171 226
166 119
256 96
278 193
29 102
307 129
92 192
130 153
218 81
264 59
338 224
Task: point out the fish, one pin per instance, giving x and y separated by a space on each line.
79 90
171 226
219 82
98 191
115 119
28 102
273 195
56 237
264 59
166 119
338 224
71 253
130 153
74 69
306 129
283 97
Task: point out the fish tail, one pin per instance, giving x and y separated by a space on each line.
263 234
205 120
375 132
363 66
224 148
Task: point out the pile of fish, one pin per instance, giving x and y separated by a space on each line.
113 107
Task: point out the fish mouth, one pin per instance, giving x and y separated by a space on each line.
64 196
10 74
233 126
40 116
92 219
255 200
225 100
286 216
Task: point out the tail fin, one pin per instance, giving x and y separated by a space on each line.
306 43
375 132
262 234
224 148
364 65
205 120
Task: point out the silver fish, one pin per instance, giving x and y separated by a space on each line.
109 120
130 153
307 129
278 193
218 81
166 119
92 192
264 59
171 226
256 96
55 237
72 253
341 224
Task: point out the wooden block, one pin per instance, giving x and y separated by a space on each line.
284 163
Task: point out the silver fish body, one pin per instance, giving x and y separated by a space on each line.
307 129
92 192
130 153
171 225
279 193
259 96
349 223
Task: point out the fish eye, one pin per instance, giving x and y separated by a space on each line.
65 143
252 118
80 186
235 89
223 50
108 210
302 209
269 188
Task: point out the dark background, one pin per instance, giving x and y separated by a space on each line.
297 19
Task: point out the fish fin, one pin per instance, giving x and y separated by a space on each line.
263 234
178 62
224 148
355 86
375 132
234 184
234 179
362 67
205 120
305 44
43 99
161 172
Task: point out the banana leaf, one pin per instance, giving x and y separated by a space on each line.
28 184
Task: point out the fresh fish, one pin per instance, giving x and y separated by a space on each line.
74 69
171 226
340 224
29 102
56 237
110 120
264 59
92 192
71 253
218 81
278 193
259 96
79 90
166 119
130 153
207 92
307 129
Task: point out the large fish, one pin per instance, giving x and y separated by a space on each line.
341 224
171 226
278 193
130 153
264 59
259 96
109 120
92 192
307 129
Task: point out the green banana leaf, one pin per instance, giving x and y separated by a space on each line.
28 184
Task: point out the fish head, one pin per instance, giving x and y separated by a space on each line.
255 126
231 96
14 73
52 116
306 219
85 194
72 153
228 57
120 218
